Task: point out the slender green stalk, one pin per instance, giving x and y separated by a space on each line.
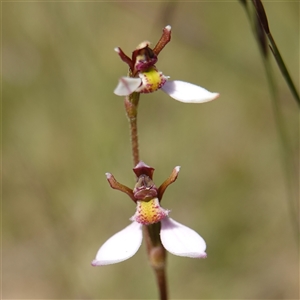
260 26
283 68
262 18
285 148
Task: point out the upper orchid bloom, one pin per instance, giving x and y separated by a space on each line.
175 237
145 78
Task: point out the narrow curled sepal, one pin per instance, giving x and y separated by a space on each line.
124 57
164 40
118 186
167 182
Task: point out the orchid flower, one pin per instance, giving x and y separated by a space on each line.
145 78
175 237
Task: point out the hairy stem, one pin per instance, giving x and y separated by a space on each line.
131 105
156 252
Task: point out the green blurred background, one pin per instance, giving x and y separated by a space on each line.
63 128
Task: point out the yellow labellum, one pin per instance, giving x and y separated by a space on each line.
149 212
152 80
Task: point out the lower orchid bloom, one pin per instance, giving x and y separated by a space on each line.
145 78
153 80
175 237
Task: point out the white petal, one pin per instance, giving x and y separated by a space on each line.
181 240
127 86
187 92
120 246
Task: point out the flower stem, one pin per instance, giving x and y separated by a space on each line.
131 105
156 251
157 257
162 283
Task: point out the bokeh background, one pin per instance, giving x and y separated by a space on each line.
63 128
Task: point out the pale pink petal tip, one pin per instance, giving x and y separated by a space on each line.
181 240
168 27
95 263
188 92
120 246
127 86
